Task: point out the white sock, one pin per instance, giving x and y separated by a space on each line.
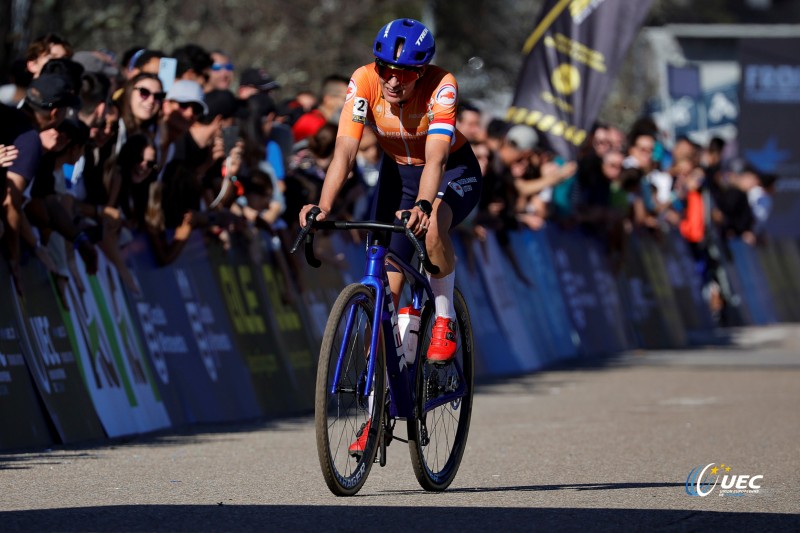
443 294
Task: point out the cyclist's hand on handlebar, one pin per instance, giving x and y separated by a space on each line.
418 222
304 213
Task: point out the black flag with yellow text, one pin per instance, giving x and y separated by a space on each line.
573 55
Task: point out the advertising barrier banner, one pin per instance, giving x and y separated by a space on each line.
650 300
22 422
290 321
319 287
787 252
109 352
686 283
505 301
353 255
494 356
537 259
527 297
530 297
49 355
212 329
652 255
253 323
754 288
187 333
641 303
229 333
590 292
777 264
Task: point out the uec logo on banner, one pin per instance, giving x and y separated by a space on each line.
704 479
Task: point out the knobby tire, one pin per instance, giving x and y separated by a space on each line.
436 463
339 416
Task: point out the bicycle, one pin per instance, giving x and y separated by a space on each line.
367 384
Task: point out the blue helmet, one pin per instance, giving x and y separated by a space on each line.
416 39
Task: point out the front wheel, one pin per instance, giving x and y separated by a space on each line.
345 410
437 435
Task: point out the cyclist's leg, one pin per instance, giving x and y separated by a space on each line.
457 197
437 240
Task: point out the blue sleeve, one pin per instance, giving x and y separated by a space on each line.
275 158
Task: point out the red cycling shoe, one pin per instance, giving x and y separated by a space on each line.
443 341
360 444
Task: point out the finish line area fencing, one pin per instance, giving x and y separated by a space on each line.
232 334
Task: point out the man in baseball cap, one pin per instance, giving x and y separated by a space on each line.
188 93
49 92
255 80
183 106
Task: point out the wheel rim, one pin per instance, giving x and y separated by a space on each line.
446 425
346 408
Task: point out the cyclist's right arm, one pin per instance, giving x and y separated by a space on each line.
344 157
351 126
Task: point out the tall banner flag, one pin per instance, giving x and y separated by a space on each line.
573 56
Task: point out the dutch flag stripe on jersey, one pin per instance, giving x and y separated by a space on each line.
441 128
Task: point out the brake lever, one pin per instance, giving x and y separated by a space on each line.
307 238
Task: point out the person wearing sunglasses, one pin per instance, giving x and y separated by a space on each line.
183 106
220 75
428 167
140 107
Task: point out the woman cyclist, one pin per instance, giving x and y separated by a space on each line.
428 167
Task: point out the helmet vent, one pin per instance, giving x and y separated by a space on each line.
398 47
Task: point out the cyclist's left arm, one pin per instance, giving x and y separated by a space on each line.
441 136
436 152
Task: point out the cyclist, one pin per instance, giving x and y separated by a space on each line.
428 167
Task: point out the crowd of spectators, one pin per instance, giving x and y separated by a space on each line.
622 184
94 150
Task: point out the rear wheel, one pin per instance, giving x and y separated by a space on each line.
438 435
342 410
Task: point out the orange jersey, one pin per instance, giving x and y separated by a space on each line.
402 130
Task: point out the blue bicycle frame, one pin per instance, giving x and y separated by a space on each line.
400 374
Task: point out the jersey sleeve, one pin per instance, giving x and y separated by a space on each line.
356 105
443 106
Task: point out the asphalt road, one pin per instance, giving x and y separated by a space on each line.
597 445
